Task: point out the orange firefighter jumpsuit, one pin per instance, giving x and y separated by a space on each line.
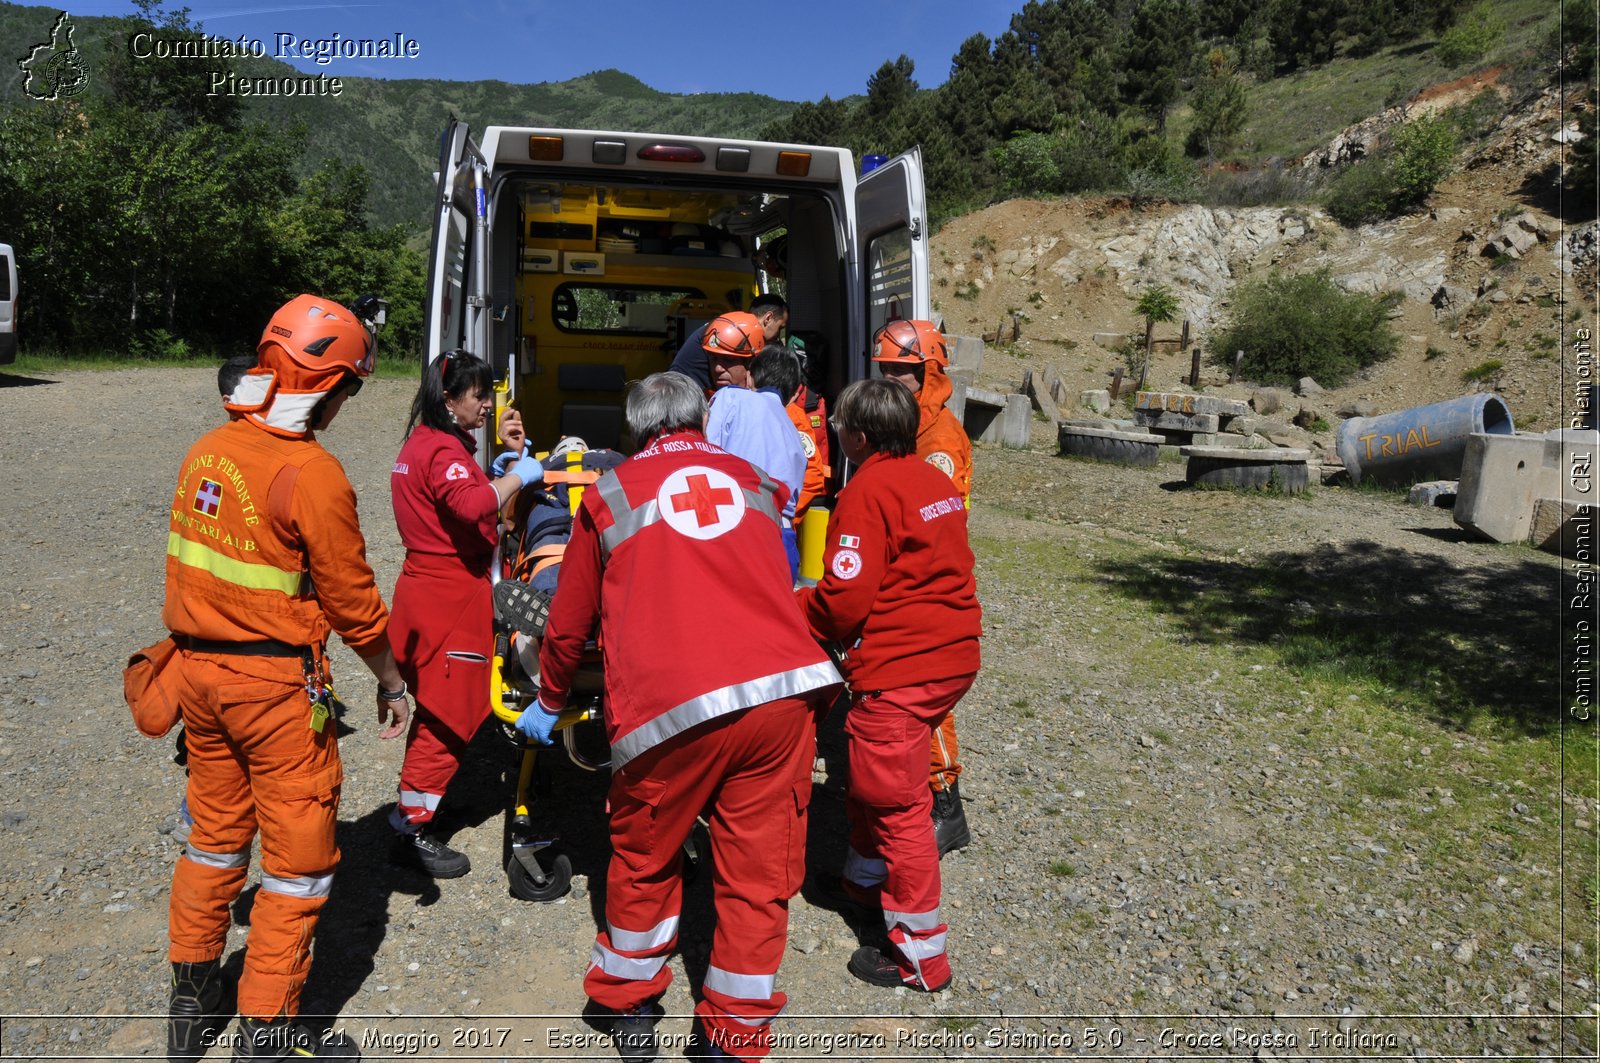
815 483
943 443
264 556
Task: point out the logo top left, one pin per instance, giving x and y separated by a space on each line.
54 69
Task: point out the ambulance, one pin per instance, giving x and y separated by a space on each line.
575 261
8 305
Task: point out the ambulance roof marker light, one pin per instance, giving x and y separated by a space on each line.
671 153
545 149
794 163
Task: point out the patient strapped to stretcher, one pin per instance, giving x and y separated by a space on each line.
531 551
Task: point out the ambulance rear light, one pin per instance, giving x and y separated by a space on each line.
672 153
733 160
544 149
794 163
610 152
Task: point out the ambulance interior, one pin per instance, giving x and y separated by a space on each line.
597 285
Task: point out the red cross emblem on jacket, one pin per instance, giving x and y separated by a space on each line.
701 502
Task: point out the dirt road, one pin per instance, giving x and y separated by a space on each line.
1246 774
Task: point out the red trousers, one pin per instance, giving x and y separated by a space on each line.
893 855
255 764
433 753
753 770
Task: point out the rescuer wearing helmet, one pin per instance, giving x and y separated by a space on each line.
749 422
264 558
734 730
769 310
898 589
914 354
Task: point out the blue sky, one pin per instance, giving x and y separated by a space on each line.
794 50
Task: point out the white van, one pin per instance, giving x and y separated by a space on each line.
8 305
575 261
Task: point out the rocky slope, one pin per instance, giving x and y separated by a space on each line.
1487 272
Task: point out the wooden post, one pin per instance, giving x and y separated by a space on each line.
1116 383
1016 327
1194 367
1238 361
1183 343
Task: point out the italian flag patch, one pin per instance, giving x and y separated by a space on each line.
850 541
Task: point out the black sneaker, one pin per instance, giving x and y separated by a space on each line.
872 965
950 819
634 1032
430 855
519 605
194 1009
279 1039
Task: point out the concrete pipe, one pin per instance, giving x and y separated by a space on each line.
1422 443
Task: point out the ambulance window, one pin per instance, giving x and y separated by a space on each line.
889 288
632 309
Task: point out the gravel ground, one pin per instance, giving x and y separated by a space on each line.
1180 846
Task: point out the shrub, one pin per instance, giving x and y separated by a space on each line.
1027 165
1290 326
1399 177
1478 30
1485 371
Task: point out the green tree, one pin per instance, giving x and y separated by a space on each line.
1157 54
1157 305
1295 325
1424 154
1220 107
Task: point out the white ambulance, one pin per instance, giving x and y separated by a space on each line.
8 305
575 261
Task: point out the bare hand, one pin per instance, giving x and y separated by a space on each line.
398 713
511 431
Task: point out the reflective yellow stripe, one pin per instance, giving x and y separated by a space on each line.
230 569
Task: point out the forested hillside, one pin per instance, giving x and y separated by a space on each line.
170 221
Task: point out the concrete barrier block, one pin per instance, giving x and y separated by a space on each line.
1098 400
1438 493
1184 403
1563 526
1177 422
1502 476
993 417
966 352
957 402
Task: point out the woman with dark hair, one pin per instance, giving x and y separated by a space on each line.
447 511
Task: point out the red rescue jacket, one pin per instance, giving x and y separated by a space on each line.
897 585
677 555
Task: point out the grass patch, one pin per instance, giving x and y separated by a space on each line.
1483 372
1062 869
54 362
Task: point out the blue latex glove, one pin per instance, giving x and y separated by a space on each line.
537 723
504 462
528 469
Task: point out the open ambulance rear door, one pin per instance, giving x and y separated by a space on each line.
891 245
456 313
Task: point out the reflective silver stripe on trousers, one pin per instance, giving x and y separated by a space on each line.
915 949
628 521
644 940
912 920
633 970
741 986
865 871
717 703
217 860
416 799
300 886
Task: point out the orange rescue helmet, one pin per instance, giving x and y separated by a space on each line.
735 334
913 342
312 342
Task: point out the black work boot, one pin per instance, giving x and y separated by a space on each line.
281 1038
430 855
950 819
519 605
193 1009
634 1033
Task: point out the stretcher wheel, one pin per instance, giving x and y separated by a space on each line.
557 878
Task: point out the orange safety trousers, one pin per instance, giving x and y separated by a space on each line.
943 766
255 764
